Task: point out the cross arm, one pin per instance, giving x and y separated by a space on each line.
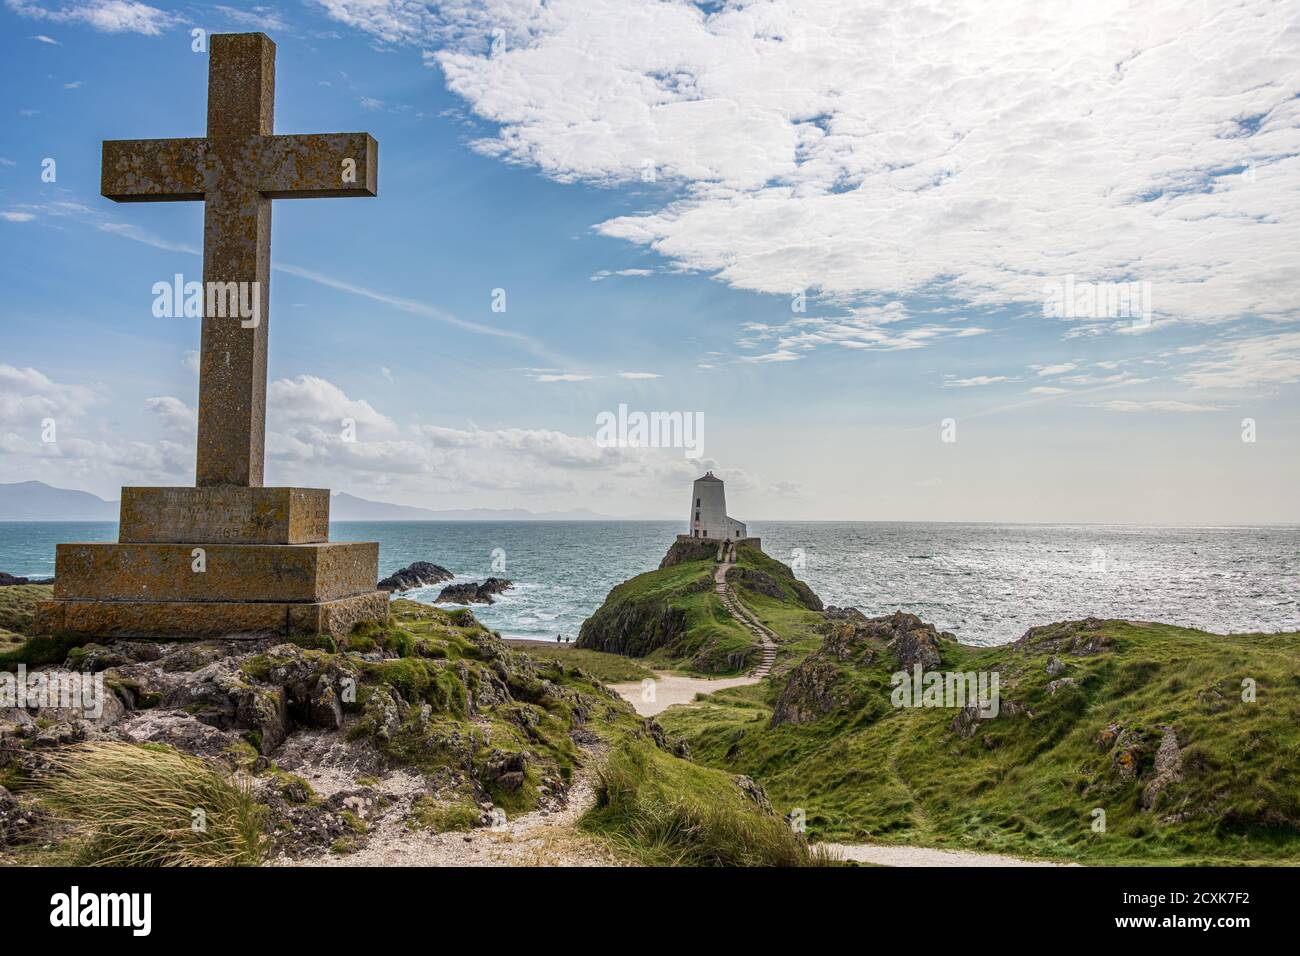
153 170
320 165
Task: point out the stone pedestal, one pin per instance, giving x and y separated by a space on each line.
218 561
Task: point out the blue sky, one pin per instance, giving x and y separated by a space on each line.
919 179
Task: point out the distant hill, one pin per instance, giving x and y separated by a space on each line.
346 507
37 501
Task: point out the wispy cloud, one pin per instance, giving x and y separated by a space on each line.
107 16
1155 406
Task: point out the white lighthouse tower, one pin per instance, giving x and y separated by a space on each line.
709 511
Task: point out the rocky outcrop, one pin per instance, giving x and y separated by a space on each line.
437 706
635 626
760 582
7 580
684 550
472 593
1168 769
17 821
823 682
421 574
1073 638
812 691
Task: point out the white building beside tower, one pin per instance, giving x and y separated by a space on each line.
709 511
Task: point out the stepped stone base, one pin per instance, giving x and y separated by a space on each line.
189 620
224 515
230 572
218 561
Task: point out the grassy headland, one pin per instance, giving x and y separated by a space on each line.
434 693
1150 725
671 617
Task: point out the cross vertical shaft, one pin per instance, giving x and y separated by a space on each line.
237 170
236 248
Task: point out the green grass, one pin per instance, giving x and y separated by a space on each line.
127 805
669 812
672 619
607 668
440 816
18 605
17 609
1028 783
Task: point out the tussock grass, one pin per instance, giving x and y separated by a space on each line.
128 805
605 667
668 812
1027 783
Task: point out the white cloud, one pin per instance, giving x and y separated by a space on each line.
41 37
256 18
628 273
975 381
562 377
10 216
861 148
1155 406
178 416
28 395
108 16
1262 360
1047 390
635 376
1046 370
315 402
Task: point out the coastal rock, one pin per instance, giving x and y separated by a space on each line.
850 614
218 695
1055 685
754 793
823 682
420 574
1075 638
1132 749
1168 768
969 718
8 580
811 692
472 593
507 770
17 822
685 550
759 582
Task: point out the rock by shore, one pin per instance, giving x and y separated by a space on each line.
421 574
472 592
9 580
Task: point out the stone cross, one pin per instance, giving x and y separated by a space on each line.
236 170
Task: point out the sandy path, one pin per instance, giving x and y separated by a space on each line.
539 838
671 689
927 856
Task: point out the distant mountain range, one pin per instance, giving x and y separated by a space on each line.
346 507
37 501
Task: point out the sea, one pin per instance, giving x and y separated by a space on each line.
986 583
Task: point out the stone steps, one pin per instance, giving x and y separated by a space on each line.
742 614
